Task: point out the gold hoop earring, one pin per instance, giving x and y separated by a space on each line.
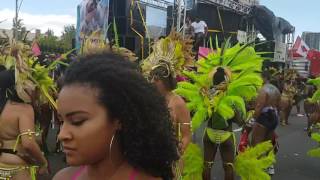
110 148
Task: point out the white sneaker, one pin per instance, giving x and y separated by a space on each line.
271 170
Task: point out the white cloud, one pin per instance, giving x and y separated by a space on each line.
37 21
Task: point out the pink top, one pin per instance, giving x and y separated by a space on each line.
77 174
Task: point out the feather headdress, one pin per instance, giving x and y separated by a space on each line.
241 66
251 164
29 76
95 44
172 52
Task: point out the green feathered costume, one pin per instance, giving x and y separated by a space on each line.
315 99
316 96
250 164
28 74
242 66
315 152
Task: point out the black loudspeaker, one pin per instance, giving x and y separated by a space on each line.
132 43
209 13
120 10
128 42
170 19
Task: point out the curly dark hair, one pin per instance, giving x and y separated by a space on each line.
165 75
147 138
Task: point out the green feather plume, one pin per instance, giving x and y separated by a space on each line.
316 96
115 31
251 164
315 152
193 163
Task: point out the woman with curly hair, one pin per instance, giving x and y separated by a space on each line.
115 124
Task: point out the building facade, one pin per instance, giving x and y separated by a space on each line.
312 39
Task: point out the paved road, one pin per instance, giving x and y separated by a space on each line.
292 161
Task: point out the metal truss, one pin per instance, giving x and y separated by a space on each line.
235 6
161 4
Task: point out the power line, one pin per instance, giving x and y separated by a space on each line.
20 5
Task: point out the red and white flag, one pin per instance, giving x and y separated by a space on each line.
301 47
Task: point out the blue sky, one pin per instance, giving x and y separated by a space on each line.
304 15
54 14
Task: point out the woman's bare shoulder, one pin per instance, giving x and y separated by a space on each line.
66 173
20 107
178 100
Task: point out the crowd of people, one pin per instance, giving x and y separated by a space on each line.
121 119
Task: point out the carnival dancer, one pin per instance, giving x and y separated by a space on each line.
163 78
162 68
287 101
299 96
223 82
124 123
309 107
314 106
289 91
20 155
315 118
266 115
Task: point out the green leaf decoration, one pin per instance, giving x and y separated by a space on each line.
199 117
316 96
225 110
193 163
116 35
251 164
315 82
28 74
315 152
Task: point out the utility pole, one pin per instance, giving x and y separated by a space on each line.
15 27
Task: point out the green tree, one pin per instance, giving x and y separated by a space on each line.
50 43
50 33
68 35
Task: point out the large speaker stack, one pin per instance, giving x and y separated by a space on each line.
170 19
210 14
120 10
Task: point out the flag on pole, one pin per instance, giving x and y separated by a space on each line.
301 47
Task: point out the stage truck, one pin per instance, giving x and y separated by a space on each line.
140 22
